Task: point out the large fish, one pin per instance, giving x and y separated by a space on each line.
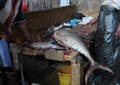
73 41
44 45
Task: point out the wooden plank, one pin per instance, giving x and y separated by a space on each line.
32 52
15 50
77 70
54 55
51 54
40 21
75 74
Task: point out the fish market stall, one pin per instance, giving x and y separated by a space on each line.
41 25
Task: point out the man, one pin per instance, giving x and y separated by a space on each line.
10 13
106 45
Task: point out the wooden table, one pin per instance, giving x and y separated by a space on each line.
77 63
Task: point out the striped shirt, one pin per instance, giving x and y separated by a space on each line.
112 3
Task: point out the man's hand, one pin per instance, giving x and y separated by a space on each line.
117 34
6 35
93 21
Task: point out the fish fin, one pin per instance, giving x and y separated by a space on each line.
90 70
96 66
99 66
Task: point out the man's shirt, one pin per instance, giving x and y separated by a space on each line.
11 12
2 3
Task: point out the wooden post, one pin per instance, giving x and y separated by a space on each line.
15 49
76 76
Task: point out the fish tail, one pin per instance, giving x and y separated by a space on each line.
90 70
96 66
99 66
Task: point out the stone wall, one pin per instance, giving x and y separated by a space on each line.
88 7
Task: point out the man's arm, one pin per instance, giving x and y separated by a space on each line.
21 23
93 21
23 27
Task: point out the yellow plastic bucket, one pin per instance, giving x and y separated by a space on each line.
64 73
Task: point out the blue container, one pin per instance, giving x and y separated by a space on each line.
5 59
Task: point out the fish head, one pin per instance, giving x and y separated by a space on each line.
60 36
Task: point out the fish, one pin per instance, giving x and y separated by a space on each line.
44 45
73 41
